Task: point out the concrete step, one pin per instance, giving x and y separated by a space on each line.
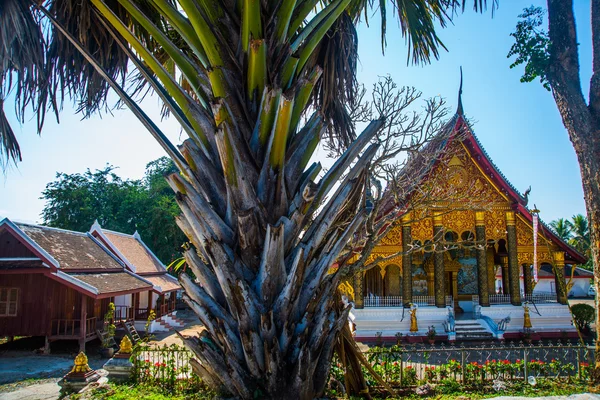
471 330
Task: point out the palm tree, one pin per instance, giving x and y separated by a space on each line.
580 238
238 76
563 228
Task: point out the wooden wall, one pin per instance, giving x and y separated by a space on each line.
10 246
41 299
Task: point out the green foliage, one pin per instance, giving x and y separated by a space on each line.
109 326
583 315
531 46
576 232
151 317
148 205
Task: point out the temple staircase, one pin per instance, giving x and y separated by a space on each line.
471 329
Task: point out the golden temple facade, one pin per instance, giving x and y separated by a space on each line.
464 224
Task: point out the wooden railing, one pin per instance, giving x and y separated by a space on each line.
65 327
396 301
72 327
90 327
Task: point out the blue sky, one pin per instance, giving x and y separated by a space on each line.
518 124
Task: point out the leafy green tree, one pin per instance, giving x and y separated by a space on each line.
265 224
75 201
552 55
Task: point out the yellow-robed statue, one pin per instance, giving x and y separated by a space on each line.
526 317
413 319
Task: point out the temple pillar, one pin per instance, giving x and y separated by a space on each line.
559 277
505 287
455 292
359 301
483 289
513 261
527 279
438 263
407 284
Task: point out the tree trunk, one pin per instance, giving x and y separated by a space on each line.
581 120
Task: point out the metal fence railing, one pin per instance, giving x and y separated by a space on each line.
167 367
396 301
409 365
536 298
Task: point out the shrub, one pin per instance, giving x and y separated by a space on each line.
583 316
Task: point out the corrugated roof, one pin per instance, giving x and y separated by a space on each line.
72 250
113 282
165 282
135 252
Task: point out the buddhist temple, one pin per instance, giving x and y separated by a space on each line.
462 225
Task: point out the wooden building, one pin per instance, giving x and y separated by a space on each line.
57 283
139 259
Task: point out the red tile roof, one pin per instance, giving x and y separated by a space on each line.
113 282
165 282
135 252
72 250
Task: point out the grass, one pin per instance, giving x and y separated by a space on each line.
126 392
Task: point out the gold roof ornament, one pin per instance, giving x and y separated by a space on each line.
81 364
125 347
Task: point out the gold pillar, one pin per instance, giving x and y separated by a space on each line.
559 276
438 263
358 290
513 261
407 283
482 271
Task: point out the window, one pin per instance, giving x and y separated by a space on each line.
8 302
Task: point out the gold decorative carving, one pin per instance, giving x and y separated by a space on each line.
422 230
479 218
393 237
457 176
524 234
510 218
459 221
438 218
495 225
346 289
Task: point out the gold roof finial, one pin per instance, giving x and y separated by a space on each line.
459 109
